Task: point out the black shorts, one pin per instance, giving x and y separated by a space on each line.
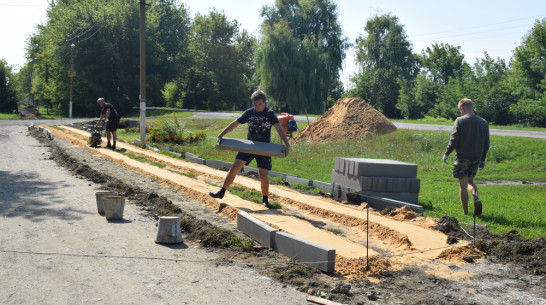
112 125
263 161
463 168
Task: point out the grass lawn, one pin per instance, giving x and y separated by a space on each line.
506 207
9 116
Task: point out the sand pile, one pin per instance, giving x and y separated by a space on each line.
349 118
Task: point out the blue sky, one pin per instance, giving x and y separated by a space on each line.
478 26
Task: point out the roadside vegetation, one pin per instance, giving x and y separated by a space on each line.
509 202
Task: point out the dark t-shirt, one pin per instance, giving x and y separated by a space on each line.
259 123
114 116
470 138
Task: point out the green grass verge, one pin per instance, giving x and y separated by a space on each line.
144 160
506 207
9 116
510 158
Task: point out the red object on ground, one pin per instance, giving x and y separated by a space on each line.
283 119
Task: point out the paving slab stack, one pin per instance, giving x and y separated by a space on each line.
375 177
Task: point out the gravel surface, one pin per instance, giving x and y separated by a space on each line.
56 249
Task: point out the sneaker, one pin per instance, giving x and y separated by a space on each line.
477 208
108 145
113 147
266 204
218 194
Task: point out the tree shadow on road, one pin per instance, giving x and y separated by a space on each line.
22 194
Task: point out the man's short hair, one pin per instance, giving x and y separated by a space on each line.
258 95
101 99
466 102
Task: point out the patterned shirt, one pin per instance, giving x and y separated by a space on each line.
259 123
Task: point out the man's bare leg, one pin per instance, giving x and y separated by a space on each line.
463 193
235 168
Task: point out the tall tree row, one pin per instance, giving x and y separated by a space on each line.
301 53
402 84
208 62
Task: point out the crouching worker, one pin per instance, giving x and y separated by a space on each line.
110 113
259 119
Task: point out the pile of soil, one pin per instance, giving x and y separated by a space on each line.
505 248
349 118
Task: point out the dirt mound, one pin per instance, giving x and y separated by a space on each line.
403 213
467 253
349 118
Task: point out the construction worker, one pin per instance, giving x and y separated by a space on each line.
470 140
110 113
259 119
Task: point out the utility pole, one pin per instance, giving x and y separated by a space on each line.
72 46
142 72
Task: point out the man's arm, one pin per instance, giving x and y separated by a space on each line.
229 128
283 136
453 139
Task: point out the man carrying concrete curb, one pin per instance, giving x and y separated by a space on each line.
470 140
110 113
259 119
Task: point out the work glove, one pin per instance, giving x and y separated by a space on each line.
445 159
218 140
482 165
286 150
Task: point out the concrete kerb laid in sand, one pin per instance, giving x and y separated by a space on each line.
199 190
419 238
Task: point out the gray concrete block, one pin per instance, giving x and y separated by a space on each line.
415 185
248 169
396 185
296 180
222 165
381 203
252 147
345 180
379 168
326 187
194 159
166 148
190 155
256 229
366 183
339 192
379 184
405 197
308 252
277 174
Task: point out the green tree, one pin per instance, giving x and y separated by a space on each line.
442 62
527 77
105 35
221 69
300 54
493 98
383 55
8 97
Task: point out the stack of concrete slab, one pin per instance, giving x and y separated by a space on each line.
375 177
